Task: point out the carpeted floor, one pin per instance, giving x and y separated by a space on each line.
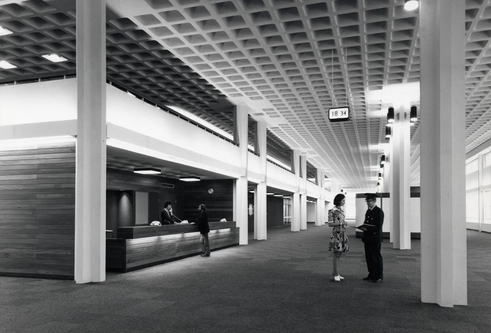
279 285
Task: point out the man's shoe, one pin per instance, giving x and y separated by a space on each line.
377 281
340 277
337 279
367 278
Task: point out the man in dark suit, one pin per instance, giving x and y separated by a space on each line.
166 215
372 238
204 229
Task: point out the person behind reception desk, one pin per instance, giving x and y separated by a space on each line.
204 229
166 215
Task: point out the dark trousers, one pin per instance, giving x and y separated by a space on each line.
374 260
205 244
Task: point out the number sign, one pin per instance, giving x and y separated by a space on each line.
339 114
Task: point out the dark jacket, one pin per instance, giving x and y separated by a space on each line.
202 223
374 219
167 218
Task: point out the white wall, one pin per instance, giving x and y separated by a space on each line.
311 212
141 208
50 109
38 102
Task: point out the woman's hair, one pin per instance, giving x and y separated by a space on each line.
202 207
338 198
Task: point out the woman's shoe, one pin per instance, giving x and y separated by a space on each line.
337 279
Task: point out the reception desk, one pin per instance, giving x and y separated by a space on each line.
142 246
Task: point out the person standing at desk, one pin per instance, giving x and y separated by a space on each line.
204 229
166 215
372 238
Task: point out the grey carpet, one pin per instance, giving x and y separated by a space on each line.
279 285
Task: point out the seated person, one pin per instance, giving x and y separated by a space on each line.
166 216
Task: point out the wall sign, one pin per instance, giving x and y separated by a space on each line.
339 114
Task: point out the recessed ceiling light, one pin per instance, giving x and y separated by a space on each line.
190 179
411 5
54 57
5 32
147 171
6 65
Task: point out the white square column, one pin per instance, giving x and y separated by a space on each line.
90 183
296 211
400 172
321 204
443 230
303 192
261 203
241 184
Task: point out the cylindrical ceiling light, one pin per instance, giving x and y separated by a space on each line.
414 114
390 116
388 132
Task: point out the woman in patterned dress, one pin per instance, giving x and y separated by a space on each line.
339 240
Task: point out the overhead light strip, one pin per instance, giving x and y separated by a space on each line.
190 179
6 65
5 32
147 171
54 57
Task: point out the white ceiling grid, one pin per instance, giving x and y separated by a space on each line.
302 57
294 58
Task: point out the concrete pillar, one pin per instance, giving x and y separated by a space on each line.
443 230
296 216
241 183
400 173
260 218
90 183
319 206
389 187
303 192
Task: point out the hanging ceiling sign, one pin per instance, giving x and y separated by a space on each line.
339 114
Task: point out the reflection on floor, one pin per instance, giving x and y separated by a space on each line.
279 285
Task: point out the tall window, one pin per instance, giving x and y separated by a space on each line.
478 193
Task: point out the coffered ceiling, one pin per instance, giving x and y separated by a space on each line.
290 61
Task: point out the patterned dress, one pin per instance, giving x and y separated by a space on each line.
339 239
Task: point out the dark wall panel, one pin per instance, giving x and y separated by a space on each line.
275 211
37 211
217 195
274 214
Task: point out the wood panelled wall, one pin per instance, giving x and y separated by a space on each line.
219 202
37 211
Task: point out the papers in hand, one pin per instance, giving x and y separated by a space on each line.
362 227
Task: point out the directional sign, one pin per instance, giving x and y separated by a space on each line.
339 114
